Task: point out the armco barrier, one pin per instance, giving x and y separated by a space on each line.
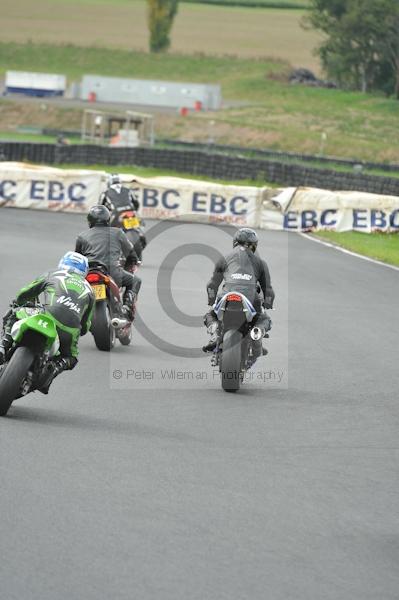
210 164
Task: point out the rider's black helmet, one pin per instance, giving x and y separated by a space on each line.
98 215
246 237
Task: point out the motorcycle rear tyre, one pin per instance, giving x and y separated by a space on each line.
101 328
13 377
231 361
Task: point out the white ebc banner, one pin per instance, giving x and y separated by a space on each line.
47 188
72 190
173 197
288 209
309 209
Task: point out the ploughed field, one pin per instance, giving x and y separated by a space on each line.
241 31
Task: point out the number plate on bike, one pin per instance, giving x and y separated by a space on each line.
131 223
100 292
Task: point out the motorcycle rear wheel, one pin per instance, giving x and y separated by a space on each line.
231 361
135 239
101 328
13 375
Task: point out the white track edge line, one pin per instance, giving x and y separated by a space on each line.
345 251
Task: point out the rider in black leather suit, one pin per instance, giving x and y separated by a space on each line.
118 197
108 245
242 271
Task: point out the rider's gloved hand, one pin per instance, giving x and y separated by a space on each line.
268 302
211 296
13 306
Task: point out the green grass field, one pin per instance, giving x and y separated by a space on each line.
75 61
28 137
150 172
264 110
380 246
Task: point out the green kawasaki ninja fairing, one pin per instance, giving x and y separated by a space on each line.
35 341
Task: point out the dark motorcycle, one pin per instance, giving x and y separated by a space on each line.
239 343
109 317
133 226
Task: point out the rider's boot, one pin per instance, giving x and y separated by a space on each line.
263 351
268 326
5 345
54 368
265 323
129 304
213 330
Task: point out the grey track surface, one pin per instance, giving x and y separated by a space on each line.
176 490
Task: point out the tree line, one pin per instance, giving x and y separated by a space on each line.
360 49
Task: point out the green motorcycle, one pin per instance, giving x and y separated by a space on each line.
36 341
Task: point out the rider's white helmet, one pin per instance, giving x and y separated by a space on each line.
75 262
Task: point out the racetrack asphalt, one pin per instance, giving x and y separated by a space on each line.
137 477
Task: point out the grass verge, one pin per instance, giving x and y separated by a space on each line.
380 246
31 137
150 172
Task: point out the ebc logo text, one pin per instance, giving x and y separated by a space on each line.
57 191
8 190
201 202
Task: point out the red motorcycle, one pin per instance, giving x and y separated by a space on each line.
109 317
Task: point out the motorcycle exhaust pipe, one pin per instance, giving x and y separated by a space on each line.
257 333
119 323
